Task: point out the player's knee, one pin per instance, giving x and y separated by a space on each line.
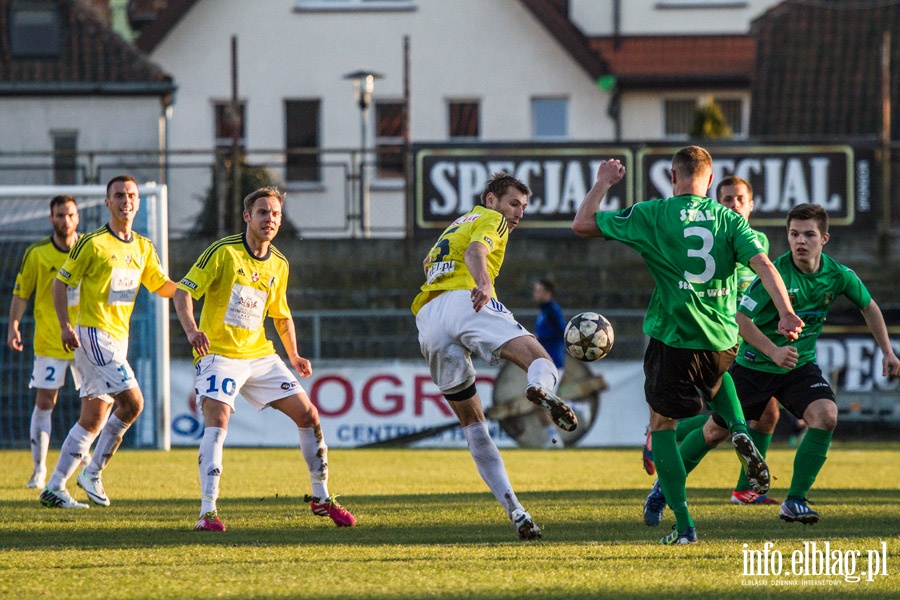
461 392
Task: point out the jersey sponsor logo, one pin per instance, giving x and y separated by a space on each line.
714 293
749 303
65 273
189 283
123 286
750 356
439 269
467 219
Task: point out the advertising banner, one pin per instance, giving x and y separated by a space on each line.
362 403
448 180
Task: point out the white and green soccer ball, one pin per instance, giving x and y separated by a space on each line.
589 336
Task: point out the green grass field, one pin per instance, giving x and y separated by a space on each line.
428 528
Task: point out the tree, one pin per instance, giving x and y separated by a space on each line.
709 123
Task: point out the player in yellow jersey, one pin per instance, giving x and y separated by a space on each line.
40 264
110 264
244 279
458 314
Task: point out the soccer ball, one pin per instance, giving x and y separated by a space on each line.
589 336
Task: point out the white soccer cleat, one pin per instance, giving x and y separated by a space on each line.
93 487
60 499
38 480
525 525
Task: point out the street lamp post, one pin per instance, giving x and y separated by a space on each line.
363 86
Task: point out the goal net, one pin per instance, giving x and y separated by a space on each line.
24 219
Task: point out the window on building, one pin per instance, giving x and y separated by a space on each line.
65 161
733 111
228 122
702 3
679 117
464 117
328 5
549 118
389 140
301 132
35 30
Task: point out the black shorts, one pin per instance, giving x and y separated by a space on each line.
678 381
796 389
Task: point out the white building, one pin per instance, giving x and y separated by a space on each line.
476 72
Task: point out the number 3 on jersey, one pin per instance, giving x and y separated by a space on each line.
709 263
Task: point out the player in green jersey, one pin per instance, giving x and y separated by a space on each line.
243 279
690 244
110 264
458 314
767 365
737 194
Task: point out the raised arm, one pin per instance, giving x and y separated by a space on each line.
609 173
789 324
890 364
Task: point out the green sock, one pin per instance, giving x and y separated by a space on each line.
727 406
808 461
672 476
693 448
761 441
685 426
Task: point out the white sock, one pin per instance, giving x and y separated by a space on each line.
74 447
40 437
315 453
107 444
490 465
211 447
543 372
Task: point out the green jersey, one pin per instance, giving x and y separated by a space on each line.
812 295
746 275
691 246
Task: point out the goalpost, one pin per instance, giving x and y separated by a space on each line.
24 219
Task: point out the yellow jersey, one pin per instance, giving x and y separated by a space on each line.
40 264
446 267
110 271
241 291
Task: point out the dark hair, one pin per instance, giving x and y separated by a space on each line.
264 192
60 201
692 161
805 212
547 285
116 179
500 182
733 180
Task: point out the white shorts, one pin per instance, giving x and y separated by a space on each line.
260 381
450 331
50 373
103 363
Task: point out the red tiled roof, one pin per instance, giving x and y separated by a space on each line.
93 59
639 61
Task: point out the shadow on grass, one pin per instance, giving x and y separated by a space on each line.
576 516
